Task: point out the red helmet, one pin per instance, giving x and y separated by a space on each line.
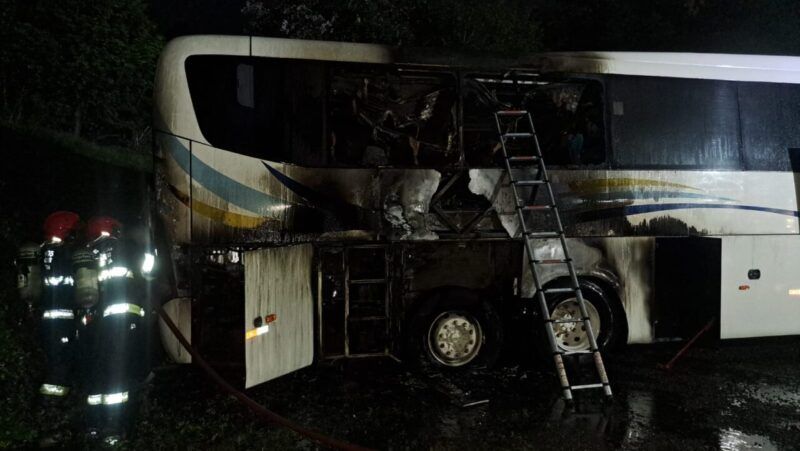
60 225
102 226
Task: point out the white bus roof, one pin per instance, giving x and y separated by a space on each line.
767 68
714 66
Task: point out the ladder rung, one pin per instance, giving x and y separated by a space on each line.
536 207
367 281
555 261
585 351
586 386
542 234
523 159
559 290
517 135
529 182
512 113
565 321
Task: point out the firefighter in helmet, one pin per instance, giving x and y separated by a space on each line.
56 304
115 344
92 299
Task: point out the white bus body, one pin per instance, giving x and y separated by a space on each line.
691 147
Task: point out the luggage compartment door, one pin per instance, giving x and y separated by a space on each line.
687 284
279 312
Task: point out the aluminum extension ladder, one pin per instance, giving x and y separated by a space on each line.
503 118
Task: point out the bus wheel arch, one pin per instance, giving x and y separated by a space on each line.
603 303
453 328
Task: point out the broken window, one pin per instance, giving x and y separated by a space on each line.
381 116
324 114
567 114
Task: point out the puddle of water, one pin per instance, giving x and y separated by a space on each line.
733 440
771 394
640 409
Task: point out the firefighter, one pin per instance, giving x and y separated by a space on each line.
29 275
114 334
57 326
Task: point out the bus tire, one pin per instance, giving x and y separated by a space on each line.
455 330
602 307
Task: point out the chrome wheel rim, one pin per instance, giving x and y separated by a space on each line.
573 336
454 338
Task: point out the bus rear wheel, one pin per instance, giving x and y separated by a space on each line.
456 330
605 315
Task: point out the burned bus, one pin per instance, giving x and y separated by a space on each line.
323 200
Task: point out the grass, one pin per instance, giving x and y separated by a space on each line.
63 142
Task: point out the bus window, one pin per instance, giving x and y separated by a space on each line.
569 121
567 114
384 116
245 85
265 108
678 123
770 115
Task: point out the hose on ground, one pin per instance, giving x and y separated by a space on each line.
251 404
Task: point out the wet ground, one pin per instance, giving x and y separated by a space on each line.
736 396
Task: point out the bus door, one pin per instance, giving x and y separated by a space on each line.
687 286
353 300
279 312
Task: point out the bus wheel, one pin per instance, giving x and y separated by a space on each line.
604 314
458 332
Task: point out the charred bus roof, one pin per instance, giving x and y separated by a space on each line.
765 68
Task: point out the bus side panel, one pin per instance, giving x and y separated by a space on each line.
624 264
173 193
632 260
760 286
279 312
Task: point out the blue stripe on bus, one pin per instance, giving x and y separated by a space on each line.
628 210
221 185
313 196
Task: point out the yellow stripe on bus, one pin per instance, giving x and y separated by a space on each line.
602 185
226 217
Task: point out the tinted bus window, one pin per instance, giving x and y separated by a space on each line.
770 115
266 108
674 123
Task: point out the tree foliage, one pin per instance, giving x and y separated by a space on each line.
723 26
502 26
515 26
85 67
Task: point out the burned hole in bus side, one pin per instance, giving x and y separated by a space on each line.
323 114
353 300
567 115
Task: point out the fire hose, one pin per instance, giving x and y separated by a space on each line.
250 403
